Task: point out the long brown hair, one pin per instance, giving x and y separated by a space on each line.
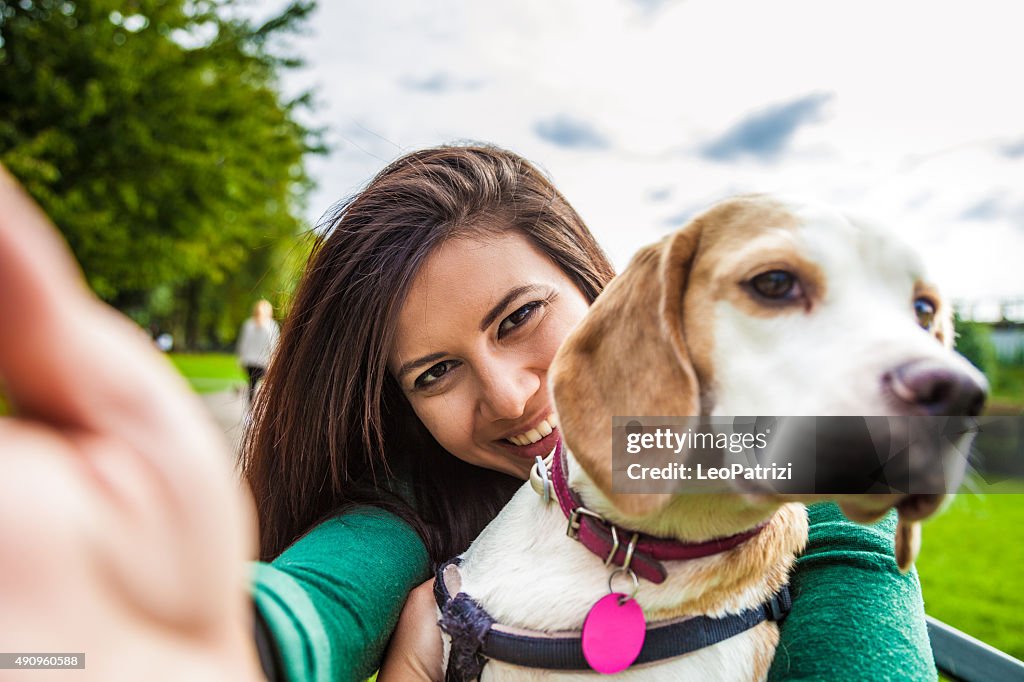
331 428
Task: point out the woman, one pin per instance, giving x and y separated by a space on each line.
446 286
256 342
420 336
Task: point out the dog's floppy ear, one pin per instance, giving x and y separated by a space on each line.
908 543
944 331
628 358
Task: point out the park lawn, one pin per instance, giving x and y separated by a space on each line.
209 372
971 568
205 372
1009 387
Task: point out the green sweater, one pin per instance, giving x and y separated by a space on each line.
332 599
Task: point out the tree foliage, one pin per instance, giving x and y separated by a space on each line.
154 134
974 342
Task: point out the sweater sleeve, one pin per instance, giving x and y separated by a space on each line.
332 599
854 616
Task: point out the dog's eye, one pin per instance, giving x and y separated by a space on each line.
925 311
776 284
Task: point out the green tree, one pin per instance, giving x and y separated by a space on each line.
155 135
974 342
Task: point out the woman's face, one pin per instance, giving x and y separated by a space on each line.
476 336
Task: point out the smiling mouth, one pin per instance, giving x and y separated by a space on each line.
535 434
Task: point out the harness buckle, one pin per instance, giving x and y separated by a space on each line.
775 609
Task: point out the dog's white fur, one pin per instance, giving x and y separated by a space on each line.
526 573
859 330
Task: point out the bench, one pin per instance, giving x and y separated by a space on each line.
960 657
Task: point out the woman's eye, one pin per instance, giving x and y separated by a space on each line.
434 374
777 285
518 317
924 309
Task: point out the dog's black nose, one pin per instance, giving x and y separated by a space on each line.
938 388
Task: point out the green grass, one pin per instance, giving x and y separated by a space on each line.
972 568
205 372
1009 385
209 372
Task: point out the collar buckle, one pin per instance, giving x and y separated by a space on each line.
573 529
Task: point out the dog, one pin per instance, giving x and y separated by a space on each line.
757 306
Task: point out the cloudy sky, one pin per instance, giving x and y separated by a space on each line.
645 111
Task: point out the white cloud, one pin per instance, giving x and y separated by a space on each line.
920 107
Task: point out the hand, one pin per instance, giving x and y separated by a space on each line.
416 651
123 532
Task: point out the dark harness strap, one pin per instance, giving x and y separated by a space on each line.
476 637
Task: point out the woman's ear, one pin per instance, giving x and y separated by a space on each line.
628 358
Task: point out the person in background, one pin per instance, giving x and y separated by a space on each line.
256 342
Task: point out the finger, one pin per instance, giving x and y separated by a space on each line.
71 362
37 280
34 262
65 358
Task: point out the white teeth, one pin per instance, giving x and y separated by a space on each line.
533 435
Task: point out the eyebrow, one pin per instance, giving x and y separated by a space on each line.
486 322
500 306
413 364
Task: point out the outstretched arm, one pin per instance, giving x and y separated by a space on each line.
123 532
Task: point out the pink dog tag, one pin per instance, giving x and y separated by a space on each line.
612 634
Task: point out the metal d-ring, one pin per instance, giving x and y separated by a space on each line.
636 584
615 546
630 548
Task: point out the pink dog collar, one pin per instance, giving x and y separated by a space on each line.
641 552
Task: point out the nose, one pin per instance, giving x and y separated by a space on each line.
505 394
938 388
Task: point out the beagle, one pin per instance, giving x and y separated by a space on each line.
755 307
